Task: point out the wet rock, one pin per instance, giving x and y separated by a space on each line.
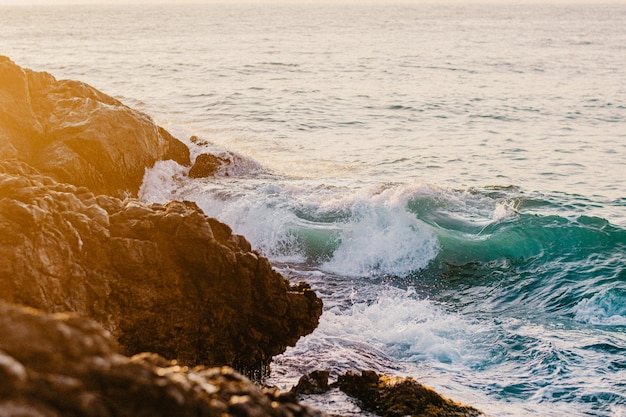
75 369
162 278
77 134
207 165
398 396
314 383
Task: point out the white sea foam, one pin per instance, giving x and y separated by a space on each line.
405 327
605 308
382 237
364 233
161 182
505 210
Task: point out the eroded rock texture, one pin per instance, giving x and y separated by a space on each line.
65 365
77 134
160 278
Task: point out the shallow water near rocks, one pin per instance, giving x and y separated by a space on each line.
448 178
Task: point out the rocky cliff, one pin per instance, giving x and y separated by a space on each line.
160 278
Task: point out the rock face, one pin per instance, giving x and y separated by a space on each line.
157 278
74 369
77 134
160 278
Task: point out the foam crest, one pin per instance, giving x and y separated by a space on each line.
605 308
405 327
161 182
366 233
263 216
504 210
381 237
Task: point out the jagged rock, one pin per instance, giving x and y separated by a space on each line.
77 134
161 278
207 165
314 383
65 365
397 396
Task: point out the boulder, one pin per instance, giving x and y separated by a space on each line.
161 278
207 165
75 369
391 396
77 134
315 382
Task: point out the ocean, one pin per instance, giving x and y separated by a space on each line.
449 178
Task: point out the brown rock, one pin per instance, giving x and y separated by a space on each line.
314 383
77 134
398 396
160 278
207 165
74 369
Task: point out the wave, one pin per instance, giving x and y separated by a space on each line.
538 268
496 249
524 364
453 285
324 220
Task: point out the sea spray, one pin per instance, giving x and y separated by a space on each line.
604 308
364 233
161 182
381 237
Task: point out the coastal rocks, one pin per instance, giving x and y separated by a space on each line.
161 278
77 134
207 165
397 396
314 383
386 395
66 365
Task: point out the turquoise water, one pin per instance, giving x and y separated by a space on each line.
450 179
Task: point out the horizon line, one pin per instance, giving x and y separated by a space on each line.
302 2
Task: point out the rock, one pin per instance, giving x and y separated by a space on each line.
314 383
75 369
161 278
77 134
207 165
398 396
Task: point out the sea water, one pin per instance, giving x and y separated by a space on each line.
450 179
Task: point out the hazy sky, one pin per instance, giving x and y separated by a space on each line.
181 2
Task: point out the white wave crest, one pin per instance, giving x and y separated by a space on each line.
382 236
605 308
405 327
162 181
